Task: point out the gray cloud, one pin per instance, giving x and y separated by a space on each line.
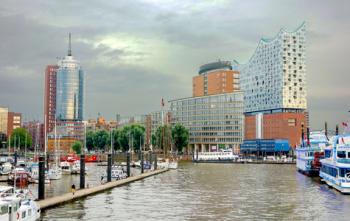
135 52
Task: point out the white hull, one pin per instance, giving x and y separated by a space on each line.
173 165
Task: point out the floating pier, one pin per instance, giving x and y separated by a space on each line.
69 197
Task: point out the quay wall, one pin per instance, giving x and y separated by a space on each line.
81 193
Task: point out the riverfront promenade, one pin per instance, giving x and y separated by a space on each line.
68 197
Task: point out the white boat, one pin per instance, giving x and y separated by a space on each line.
335 169
173 165
25 209
54 173
66 167
221 156
117 173
6 168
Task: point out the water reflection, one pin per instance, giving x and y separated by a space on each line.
214 192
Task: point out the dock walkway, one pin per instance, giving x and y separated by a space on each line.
68 197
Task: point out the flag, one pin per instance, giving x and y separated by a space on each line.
345 124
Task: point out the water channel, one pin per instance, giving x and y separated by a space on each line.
212 192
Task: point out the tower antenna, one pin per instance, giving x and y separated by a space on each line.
69 46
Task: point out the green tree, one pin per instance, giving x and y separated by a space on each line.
101 139
77 147
20 138
90 140
130 137
154 140
116 137
163 138
180 137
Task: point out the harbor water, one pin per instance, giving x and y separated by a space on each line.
212 192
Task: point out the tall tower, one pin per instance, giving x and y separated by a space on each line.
69 88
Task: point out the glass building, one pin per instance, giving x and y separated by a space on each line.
69 89
214 122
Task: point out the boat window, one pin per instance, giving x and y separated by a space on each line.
348 154
341 154
344 172
311 154
23 214
3 210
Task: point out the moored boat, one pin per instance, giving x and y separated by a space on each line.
216 157
335 170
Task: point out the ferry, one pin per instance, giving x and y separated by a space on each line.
215 157
310 153
335 170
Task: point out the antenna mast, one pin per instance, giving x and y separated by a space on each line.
69 45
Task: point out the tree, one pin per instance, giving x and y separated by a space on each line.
131 137
77 147
163 138
90 140
154 140
101 139
20 138
180 136
116 137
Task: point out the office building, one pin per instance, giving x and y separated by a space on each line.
3 120
14 120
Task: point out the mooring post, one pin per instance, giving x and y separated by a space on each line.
15 157
47 161
155 161
128 164
82 171
141 162
109 168
41 186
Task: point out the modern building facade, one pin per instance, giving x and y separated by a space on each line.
215 78
274 85
50 96
14 121
69 89
214 121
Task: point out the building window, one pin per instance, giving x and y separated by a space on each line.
292 122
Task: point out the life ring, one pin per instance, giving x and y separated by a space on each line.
347 175
17 215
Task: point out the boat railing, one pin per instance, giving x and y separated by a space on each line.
343 160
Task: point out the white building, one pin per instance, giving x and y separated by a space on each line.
274 78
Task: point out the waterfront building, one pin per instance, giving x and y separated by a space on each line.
36 131
69 89
265 147
215 78
50 96
274 85
3 120
214 121
14 120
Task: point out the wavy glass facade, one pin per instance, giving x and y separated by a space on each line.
275 76
214 121
69 90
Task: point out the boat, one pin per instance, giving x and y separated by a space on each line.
75 167
14 206
6 168
173 165
66 167
117 173
335 169
215 157
21 176
34 173
54 173
309 154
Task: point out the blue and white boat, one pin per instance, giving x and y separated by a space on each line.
309 154
335 170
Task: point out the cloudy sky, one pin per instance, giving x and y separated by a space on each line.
135 52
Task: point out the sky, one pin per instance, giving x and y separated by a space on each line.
136 52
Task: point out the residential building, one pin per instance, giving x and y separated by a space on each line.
50 96
274 85
14 121
215 78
